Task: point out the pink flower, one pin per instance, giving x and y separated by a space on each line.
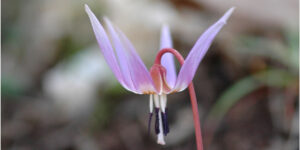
161 80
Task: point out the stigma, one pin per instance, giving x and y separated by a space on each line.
159 110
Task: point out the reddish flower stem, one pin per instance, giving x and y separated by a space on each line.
191 92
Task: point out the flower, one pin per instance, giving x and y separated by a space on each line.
133 75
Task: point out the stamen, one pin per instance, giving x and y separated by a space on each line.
149 122
151 112
151 103
167 122
156 101
157 131
163 118
163 102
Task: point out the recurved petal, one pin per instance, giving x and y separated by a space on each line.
140 76
122 55
106 47
193 59
168 59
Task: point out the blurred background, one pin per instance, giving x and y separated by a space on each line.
59 94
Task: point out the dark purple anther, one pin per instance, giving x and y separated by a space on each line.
149 122
167 122
156 120
164 117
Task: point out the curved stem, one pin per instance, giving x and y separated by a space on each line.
191 92
196 116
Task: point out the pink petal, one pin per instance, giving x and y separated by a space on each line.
139 74
193 59
121 53
106 48
168 59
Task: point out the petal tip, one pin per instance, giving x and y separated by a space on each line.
87 8
106 19
227 15
108 22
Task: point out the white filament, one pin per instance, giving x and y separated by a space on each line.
163 102
151 103
156 101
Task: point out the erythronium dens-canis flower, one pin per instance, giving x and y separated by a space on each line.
161 80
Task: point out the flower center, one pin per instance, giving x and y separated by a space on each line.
158 74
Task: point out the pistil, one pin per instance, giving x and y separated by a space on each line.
163 103
160 136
